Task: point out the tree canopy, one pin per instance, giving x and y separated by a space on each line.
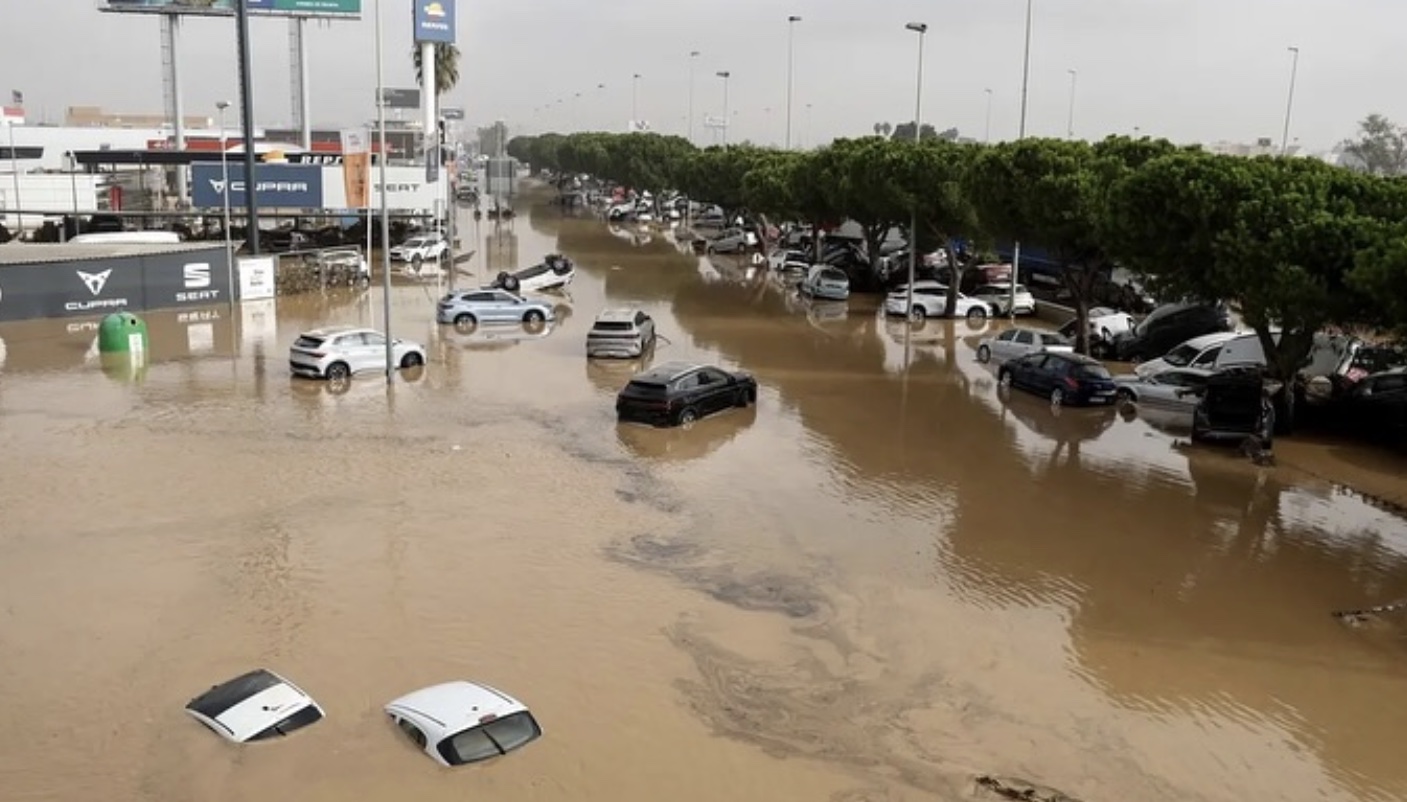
1292 244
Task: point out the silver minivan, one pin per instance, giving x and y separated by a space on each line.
1198 352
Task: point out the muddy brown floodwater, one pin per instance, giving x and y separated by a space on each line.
880 584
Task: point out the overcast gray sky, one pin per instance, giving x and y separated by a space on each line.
1191 70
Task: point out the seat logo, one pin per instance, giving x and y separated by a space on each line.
196 276
95 281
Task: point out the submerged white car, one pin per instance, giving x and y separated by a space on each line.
336 352
419 249
254 707
998 294
463 722
931 300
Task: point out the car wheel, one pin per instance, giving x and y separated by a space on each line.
1126 396
415 261
1004 381
984 354
465 321
918 313
534 317
337 371
976 313
1099 349
687 416
741 400
1057 397
412 360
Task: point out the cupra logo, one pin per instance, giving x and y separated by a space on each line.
95 281
217 185
434 10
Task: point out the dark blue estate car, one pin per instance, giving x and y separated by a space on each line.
1064 378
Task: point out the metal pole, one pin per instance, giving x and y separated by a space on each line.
225 177
791 30
987 132
725 75
15 178
634 100
1021 134
1070 120
921 29
381 175
246 99
693 58
1290 102
73 187
170 24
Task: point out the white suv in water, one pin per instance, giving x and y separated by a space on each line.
425 248
336 352
620 333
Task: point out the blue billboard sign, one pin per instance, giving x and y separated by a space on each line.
434 21
278 186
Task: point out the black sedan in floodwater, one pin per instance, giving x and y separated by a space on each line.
1064 378
679 393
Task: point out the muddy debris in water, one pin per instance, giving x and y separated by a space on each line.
761 591
1014 788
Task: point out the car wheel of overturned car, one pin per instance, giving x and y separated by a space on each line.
1057 397
976 313
337 371
465 322
411 360
687 416
984 354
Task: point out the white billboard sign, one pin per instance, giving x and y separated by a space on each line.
406 189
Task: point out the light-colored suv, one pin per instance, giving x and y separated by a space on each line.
424 248
336 352
488 305
620 333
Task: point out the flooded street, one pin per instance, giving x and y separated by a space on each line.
881 582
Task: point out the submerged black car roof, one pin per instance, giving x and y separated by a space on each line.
228 694
664 374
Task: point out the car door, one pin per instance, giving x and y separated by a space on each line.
1023 371
1024 342
1002 347
712 390
1208 357
352 349
373 352
1050 370
506 308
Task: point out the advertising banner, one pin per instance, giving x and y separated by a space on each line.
434 21
356 168
406 190
401 98
338 9
278 186
193 277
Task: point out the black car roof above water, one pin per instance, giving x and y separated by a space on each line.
664 374
228 694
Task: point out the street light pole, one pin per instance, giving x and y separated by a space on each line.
1290 102
921 29
246 101
1020 134
381 154
791 31
634 101
725 75
693 59
225 192
987 132
1070 120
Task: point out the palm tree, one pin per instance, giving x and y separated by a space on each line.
888 129
446 67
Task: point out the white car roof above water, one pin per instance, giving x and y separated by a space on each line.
452 707
249 704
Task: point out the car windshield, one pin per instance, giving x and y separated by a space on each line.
1182 356
1092 372
297 721
833 275
414 243
498 737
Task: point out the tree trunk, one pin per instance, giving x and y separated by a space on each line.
1080 282
1283 361
874 238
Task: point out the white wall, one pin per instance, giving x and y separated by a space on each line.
52 193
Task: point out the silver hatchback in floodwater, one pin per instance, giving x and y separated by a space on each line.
488 305
620 334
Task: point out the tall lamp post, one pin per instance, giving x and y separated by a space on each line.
246 102
987 131
1290 102
725 75
791 30
1020 134
1070 119
382 152
920 28
693 59
634 101
225 192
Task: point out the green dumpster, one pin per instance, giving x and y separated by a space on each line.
122 333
